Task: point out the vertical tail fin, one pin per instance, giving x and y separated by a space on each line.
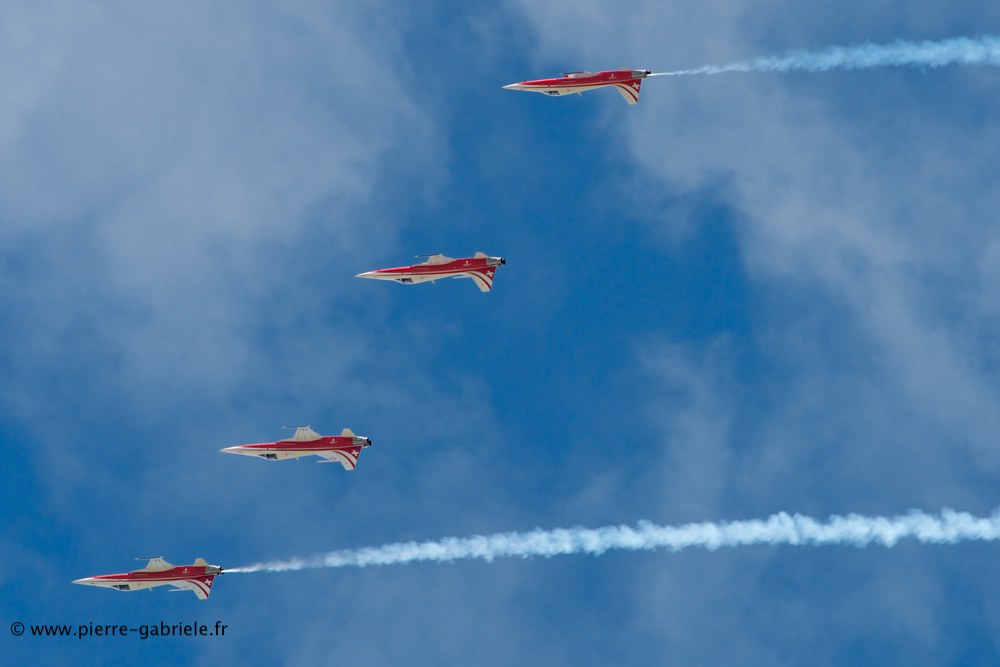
630 90
200 586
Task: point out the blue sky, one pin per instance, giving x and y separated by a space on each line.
750 293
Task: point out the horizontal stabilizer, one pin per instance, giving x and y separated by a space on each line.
347 433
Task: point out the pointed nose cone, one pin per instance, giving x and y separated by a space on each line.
514 86
230 450
85 580
366 274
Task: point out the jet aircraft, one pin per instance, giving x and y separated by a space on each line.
479 267
196 578
626 81
343 449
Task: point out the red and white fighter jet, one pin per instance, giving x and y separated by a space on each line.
479 267
626 81
196 578
343 449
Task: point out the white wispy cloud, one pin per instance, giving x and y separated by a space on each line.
863 368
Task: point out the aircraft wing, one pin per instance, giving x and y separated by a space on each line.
200 587
156 565
436 259
305 434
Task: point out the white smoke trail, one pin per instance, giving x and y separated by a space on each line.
790 529
984 50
